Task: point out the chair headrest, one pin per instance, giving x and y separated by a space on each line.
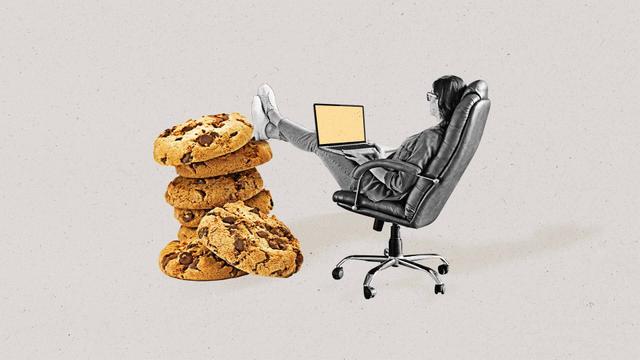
478 87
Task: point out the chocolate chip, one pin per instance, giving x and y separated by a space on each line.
185 258
186 158
194 165
299 259
200 181
245 122
235 272
168 258
271 202
274 244
278 273
239 244
187 216
166 133
163 159
255 211
203 232
223 116
178 138
233 134
236 176
188 127
229 219
205 139
202 193
217 122
262 233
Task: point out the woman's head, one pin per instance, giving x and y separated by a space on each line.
448 91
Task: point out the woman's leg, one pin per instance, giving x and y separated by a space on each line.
280 128
338 165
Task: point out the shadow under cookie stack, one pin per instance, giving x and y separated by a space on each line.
220 201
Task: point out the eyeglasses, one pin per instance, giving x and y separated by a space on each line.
431 96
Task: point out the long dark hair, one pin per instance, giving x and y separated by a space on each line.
449 90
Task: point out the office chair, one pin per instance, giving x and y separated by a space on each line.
426 199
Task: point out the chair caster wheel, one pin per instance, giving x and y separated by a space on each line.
443 269
386 252
439 288
337 273
369 292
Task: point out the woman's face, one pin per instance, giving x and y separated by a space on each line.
433 104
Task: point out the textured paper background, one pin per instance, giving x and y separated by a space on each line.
542 231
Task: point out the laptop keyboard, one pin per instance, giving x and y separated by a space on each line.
355 146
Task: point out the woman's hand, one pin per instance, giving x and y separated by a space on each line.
377 155
357 157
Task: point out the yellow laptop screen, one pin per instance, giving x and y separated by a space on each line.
339 123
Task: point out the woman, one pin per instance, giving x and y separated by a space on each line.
379 183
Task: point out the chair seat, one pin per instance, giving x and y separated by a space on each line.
393 208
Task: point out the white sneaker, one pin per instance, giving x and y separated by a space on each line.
268 99
259 120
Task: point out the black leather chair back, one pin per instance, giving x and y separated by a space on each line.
426 199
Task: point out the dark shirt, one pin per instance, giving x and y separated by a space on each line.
417 149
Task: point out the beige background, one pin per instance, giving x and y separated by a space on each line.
542 231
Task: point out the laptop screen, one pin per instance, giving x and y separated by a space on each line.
339 124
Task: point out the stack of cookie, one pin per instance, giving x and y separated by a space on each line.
220 201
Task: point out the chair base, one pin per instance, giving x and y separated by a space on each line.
393 257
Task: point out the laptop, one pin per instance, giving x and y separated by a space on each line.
341 128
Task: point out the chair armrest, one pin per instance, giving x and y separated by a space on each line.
387 164
359 171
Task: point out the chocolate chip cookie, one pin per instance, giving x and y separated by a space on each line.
249 156
199 140
187 193
192 217
190 260
250 240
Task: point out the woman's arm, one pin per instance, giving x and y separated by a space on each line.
379 172
425 149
